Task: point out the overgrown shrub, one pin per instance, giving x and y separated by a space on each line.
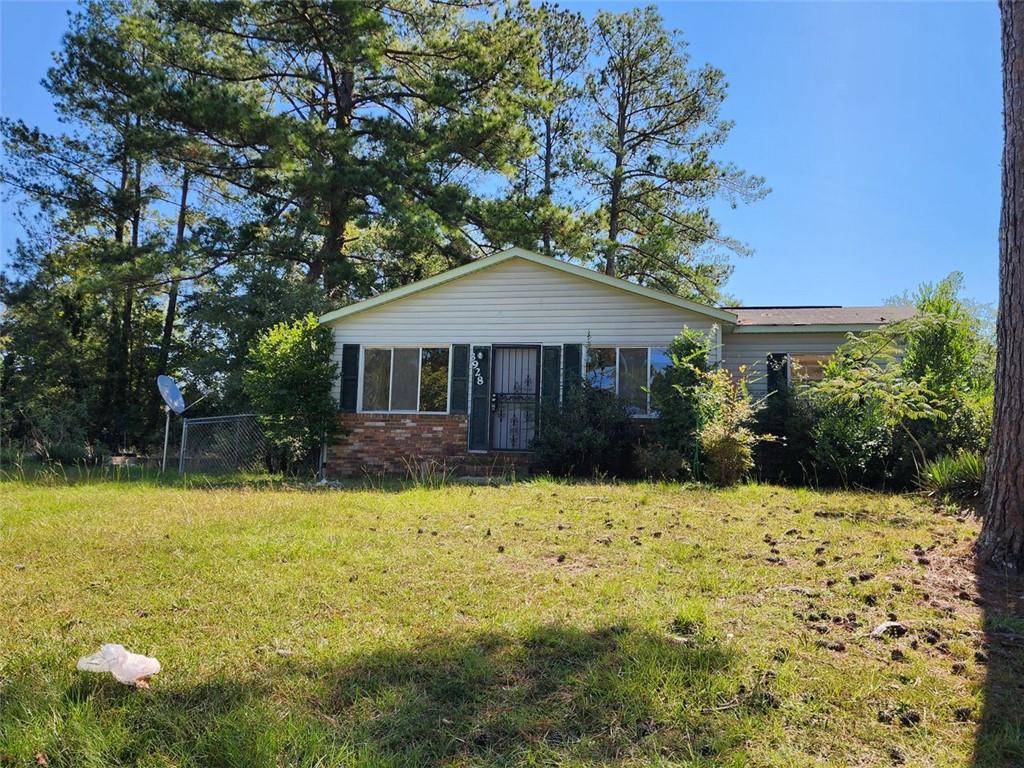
657 461
958 476
673 393
894 399
591 433
289 378
727 439
785 455
866 408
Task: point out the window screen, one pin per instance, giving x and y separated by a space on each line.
405 381
376 379
633 379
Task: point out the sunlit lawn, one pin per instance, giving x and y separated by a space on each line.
529 624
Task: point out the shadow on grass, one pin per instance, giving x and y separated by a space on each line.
1000 734
551 695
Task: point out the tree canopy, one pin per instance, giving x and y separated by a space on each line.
224 167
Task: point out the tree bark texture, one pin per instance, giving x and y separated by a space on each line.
1002 536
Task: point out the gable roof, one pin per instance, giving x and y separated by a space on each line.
544 261
835 318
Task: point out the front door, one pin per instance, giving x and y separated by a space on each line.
515 397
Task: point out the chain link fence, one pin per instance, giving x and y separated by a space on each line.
218 445
222 444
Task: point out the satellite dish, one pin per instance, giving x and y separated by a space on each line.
170 393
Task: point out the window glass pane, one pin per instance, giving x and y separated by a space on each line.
807 367
601 367
434 379
633 379
403 383
660 360
376 379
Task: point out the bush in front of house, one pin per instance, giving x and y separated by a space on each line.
674 397
289 377
727 438
890 402
784 455
657 461
589 435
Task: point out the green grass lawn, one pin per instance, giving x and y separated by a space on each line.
529 624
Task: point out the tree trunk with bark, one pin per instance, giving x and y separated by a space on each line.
167 337
1002 536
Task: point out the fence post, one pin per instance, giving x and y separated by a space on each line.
181 452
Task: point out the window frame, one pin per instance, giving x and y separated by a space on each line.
391 379
649 413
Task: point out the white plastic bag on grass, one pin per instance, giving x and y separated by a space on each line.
126 667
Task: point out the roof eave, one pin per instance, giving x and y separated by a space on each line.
809 328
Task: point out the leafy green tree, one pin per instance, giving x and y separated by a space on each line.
946 347
289 379
224 320
653 127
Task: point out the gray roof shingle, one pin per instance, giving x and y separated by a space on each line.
821 315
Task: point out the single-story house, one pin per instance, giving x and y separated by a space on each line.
454 368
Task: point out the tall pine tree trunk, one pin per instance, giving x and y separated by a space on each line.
167 336
1002 536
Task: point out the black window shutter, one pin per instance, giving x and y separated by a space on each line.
551 375
480 386
573 365
349 377
778 371
460 378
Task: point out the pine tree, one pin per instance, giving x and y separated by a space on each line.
1002 535
654 125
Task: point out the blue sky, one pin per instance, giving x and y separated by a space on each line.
877 126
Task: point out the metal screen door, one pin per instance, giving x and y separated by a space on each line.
515 396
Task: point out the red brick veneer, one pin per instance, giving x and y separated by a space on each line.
390 443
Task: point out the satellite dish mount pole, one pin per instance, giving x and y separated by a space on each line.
167 432
173 401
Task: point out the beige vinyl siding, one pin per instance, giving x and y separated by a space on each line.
519 302
752 350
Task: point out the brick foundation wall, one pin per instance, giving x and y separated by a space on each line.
388 443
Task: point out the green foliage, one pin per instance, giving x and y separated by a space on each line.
944 348
866 406
958 476
589 434
727 437
786 421
289 379
222 167
896 398
657 461
673 393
